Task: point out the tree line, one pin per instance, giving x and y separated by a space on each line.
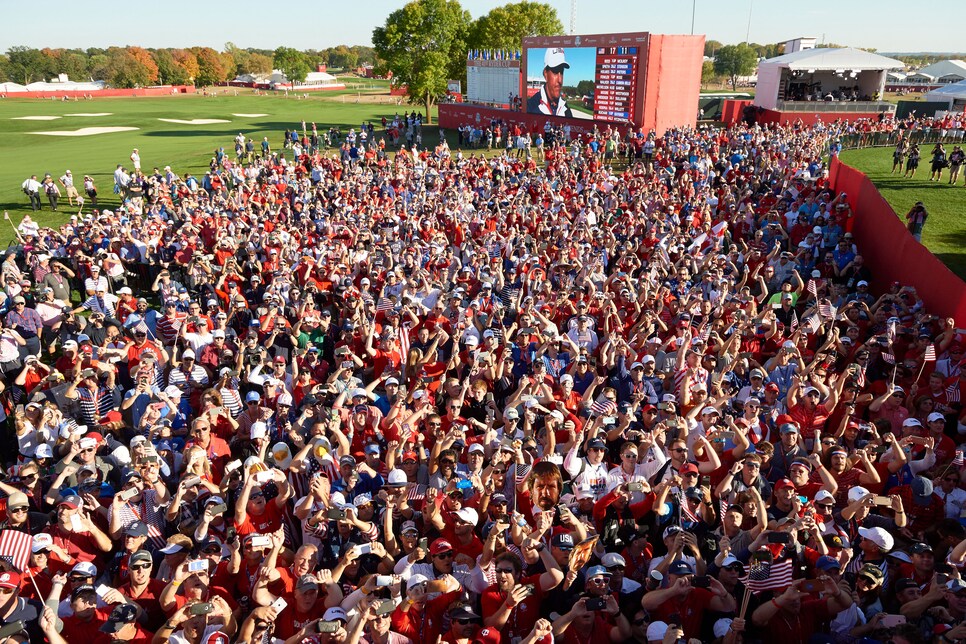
133 66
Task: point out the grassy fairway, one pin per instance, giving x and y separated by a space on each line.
186 148
945 230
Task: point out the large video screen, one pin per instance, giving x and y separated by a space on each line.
583 82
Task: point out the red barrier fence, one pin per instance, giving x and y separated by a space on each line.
892 253
166 90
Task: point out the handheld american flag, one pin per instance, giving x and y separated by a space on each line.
952 393
930 354
888 357
603 407
812 288
15 548
765 575
958 459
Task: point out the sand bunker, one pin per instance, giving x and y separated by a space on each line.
195 121
90 114
249 116
34 118
87 131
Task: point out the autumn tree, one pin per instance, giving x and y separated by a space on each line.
423 45
211 68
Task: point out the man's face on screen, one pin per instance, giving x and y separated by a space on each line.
554 83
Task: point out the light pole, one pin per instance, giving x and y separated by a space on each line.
694 4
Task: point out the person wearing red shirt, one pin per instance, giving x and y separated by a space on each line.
215 448
142 589
805 410
582 625
684 604
421 619
512 605
793 616
253 514
304 605
84 623
122 626
461 533
800 473
924 508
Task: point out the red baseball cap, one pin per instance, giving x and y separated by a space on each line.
784 483
488 636
440 546
10 579
771 387
688 468
410 456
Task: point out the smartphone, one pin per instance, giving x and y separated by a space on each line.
279 605
882 500
233 465
385 607
705 481
364 549
464 484
76 524
192 481
325 626
201 608
382 581
778 537
635 486
423 543
701 581
891 621
263 477
127 495
347 364
261 542
727 436
198 565
596 603
530 589
217 510
811 586
102 590
335 514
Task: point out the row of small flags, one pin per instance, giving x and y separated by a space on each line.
492 54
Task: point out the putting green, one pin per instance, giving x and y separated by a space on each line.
186 148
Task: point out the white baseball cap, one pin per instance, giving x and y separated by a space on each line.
554 57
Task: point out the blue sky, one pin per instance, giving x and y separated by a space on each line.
582 61
888 25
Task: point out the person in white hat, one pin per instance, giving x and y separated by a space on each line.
549 99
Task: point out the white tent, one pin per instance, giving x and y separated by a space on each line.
821 70
944 71
954 94
7 88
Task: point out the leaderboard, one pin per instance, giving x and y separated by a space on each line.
616 80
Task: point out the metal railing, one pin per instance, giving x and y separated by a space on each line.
837 106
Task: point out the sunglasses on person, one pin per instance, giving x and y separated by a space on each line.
144 566
464 621
445 555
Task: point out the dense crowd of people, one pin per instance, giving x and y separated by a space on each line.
427 396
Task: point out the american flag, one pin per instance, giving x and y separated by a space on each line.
15 548
930 354
827 311
812 324
384 304
958 460
765 575
404 341
794 321
603 407
952 393
135 323
888 357
812 288
891 330
703 336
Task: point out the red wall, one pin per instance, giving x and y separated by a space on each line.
454 115
672 81
892 253
110 93
733 109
